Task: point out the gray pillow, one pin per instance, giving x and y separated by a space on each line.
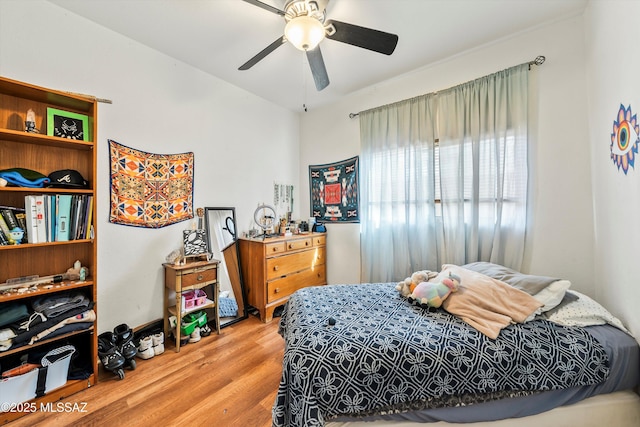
528 283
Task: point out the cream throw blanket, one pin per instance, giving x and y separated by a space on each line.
487 304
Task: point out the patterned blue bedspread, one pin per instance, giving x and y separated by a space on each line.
385 355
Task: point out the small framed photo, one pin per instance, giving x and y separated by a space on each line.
68 125
195 243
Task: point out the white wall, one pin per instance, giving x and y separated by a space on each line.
561 239
160 105
612 33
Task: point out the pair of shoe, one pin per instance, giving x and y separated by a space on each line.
199 332
195 335
151 345
205 331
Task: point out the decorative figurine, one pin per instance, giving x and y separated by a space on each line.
16 235
30 123
200 214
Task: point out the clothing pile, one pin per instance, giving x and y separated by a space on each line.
45 317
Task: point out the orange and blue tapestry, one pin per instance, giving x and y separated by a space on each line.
334 191
149 190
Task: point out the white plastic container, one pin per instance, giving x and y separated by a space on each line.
57 363
18 389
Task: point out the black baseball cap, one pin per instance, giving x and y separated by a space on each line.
67 178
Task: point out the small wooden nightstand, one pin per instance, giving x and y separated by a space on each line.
182 278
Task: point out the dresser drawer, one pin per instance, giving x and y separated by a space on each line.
285 286
198 277
287 264
274 248
293 245
319 240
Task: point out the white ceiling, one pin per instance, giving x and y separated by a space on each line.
217 36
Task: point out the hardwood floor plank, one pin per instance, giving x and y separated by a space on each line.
224 381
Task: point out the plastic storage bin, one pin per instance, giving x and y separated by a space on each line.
194 298
57 362
21 388
191 321
18 389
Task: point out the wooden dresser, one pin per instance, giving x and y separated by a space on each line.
275 267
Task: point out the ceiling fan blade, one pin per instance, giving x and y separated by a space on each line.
318 69
265 7
264 52
366 38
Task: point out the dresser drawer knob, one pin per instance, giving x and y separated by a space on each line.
275 268
276 290
200 277
274 249
306 243
290 246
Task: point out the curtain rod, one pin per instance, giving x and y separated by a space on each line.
538 61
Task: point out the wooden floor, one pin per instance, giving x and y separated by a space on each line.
226 380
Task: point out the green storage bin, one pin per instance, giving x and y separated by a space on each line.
191 321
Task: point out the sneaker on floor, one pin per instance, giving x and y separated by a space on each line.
195 335
205 331
145 348
158 343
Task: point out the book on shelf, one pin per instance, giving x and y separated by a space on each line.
10 218
63 217
21 217
41 225
4 238
88 216
31 217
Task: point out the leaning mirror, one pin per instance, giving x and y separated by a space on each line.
220 224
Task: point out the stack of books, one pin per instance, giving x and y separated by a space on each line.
48 218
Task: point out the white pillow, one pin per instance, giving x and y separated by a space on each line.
583 312
550 297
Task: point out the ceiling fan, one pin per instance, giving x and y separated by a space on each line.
306 27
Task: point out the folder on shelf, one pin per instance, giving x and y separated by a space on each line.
50 217
53 211
31 217
63 217
41 220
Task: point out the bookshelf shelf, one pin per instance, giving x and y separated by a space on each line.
27 246
40 139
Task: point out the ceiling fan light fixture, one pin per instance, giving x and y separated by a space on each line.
304 32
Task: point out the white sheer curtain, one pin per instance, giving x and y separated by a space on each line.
397 188
460 200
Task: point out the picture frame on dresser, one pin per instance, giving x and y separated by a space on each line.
220 226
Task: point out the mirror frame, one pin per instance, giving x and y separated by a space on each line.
242 298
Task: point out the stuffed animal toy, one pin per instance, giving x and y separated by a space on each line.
407 286
433 294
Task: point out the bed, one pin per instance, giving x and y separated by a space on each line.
361 353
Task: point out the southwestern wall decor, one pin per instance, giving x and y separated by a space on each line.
150 190
334 191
